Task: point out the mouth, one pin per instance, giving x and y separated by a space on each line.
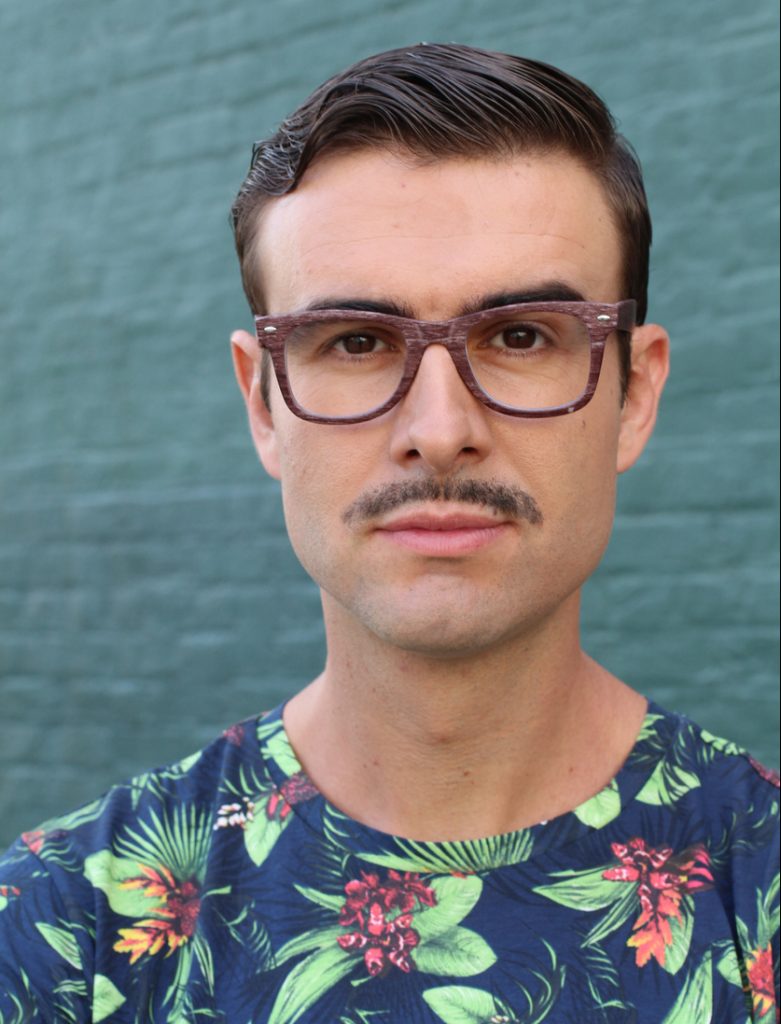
446 534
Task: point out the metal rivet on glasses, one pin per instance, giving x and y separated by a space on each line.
603 316
269 330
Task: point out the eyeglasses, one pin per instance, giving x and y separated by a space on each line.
532 360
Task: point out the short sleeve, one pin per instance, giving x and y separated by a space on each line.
44 946
755 881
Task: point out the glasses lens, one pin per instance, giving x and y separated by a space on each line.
535 362
342 367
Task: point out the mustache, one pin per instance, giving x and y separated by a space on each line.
510 502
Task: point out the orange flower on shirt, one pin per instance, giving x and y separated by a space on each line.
759 965
662 879
175 915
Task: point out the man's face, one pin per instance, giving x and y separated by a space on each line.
444 576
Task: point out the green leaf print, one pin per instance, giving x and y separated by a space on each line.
729 968
261 833
63 942
107 873
178 840
648 730
681 931
178 990
203 955
455 898
81 816
743 936
581 890
183 766
602 808
602 978
694 1004
329 901
458 952
667 784
620 912
276 747
309 981
154 782
317 938
721 745
106 998
468 855
460 1004
768 918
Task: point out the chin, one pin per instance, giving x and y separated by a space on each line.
442 629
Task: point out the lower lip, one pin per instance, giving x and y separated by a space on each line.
446 543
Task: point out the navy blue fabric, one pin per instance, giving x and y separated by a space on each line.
226 888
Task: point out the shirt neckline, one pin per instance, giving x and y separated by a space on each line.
384 849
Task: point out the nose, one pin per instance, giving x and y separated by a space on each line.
439 424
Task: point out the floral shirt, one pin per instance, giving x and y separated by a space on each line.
226 888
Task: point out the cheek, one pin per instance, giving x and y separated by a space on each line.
589 505
572 476
321 475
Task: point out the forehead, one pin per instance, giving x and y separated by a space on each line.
432 236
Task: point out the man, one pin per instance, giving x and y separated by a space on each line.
463 818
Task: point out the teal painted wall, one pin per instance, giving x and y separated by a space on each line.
147 594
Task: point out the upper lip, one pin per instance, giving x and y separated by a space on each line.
442 521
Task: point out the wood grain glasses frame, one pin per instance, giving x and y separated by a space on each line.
600 319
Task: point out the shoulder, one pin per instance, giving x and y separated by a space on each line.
694 761
188 789
704 790
729 775
710 787
194 782
131 853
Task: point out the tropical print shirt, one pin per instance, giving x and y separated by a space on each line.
226 888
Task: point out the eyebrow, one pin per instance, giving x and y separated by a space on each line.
549 291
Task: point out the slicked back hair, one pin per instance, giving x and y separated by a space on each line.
436 102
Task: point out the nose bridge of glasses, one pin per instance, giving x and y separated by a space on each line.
428 333
447 334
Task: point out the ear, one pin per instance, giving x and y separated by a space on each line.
246 364
650 365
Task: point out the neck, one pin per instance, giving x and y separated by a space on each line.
434 748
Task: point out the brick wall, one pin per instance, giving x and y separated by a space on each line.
147 594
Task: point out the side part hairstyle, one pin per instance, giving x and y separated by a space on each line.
440 101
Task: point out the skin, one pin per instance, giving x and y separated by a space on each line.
463 669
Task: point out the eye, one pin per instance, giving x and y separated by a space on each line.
360 344
516 338
519 337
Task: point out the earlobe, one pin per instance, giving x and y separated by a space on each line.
246 364
650 366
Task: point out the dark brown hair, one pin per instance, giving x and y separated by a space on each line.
440 101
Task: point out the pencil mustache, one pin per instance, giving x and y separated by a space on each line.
509 502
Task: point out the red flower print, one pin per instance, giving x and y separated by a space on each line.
234 734
662 878
176 914
295 790
383 915
759 964
768 774
280 803
34 840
